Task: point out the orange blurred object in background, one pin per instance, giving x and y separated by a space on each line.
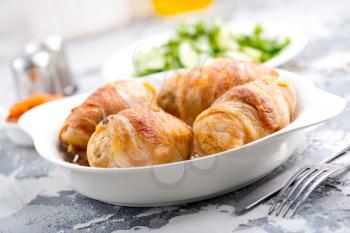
171 7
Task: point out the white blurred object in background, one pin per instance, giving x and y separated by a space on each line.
76 18
25 20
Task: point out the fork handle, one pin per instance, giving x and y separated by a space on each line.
343 160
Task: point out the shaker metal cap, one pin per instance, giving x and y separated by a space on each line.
43 68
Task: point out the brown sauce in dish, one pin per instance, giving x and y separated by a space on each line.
76 158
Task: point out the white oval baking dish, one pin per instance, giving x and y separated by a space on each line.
185 181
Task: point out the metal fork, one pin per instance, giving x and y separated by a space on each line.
300 186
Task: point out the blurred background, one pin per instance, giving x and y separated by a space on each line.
79 20
93 30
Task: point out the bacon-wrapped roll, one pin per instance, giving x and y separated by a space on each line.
139 137
107 100
243 114
188 93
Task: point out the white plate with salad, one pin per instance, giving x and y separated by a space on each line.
194 43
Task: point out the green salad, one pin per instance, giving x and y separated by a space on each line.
194 43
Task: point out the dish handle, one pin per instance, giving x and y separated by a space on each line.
29 121
321 107
3 115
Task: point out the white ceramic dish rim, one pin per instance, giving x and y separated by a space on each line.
298 42
5 124
23 122
3 114
14 132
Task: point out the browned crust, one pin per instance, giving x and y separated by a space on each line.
188 93
256 109
107 100
273 107
139 137
144 123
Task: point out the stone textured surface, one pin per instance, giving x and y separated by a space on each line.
33 197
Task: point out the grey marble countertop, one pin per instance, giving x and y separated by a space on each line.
34 198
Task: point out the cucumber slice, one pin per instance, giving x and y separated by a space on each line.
150 60
188 55
225 39
252 52
203 44
237 55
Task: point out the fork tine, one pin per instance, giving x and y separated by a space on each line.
290 181
290 192
312 188
304 185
